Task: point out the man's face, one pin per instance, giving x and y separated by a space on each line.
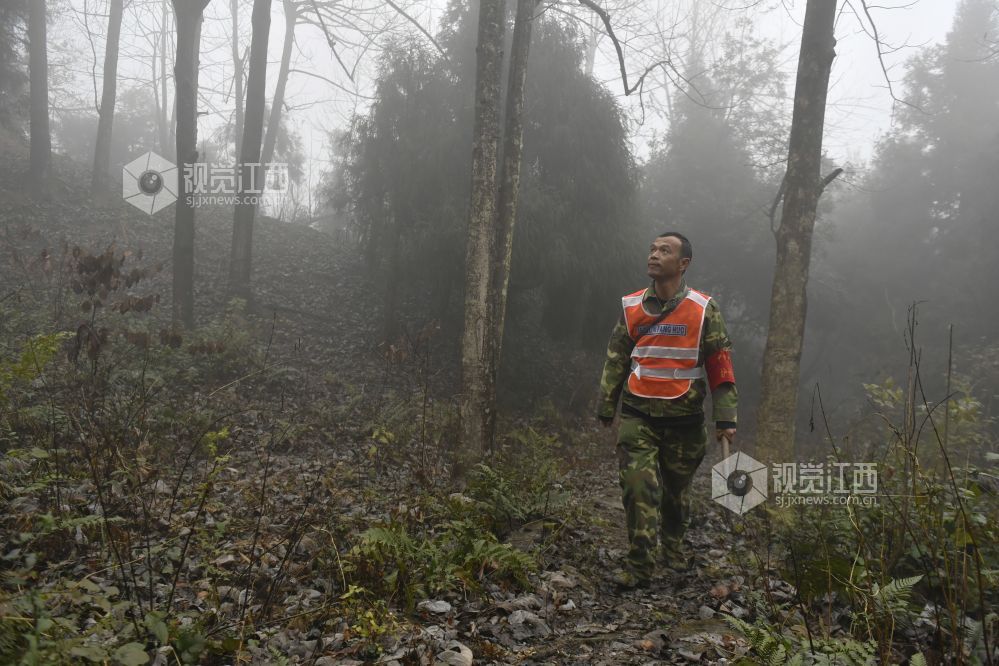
664 258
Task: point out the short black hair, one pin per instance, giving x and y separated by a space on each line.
686 249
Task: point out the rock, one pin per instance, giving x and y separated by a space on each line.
690 655
438 636
567 606
526 602
302 648
456 654
231 593
392 659
559 580
653 641
224 559
705 612
526 624
440 607
733 609
307 546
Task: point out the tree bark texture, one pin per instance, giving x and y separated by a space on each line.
241 262
274 120
166 145
802 188
476 348
100 177
237 77
38 65
513 152
188 15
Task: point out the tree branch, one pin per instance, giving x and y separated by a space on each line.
605 17
833 175
419 27
332 43
881 55
331 82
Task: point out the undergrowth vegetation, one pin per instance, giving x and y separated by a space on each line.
212 497
154 507
915 574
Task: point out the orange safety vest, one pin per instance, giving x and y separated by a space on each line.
664 360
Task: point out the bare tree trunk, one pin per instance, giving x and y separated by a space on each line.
237 73
38 64
513 151
189 15
391 299
476 346
592 42
100 178
802 187
242 226
274 121
162 124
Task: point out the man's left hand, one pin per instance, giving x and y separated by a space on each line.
725 433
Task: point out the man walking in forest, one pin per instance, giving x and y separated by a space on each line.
669 339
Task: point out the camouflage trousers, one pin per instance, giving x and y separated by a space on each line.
656 466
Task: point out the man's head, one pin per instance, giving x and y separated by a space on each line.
669 255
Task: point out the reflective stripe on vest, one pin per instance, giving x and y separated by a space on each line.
664 359
670 373
664 352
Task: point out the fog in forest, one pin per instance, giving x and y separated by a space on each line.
334 299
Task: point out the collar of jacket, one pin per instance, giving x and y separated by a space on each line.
650 295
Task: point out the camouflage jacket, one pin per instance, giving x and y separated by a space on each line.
724 398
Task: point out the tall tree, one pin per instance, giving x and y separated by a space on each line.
509 189
164 123
101 174
274 121
513 152
189 15
802 187
38 65
237 75
477 370
250 172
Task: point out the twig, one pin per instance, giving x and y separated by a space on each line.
605 17
881 58
331 42
418 26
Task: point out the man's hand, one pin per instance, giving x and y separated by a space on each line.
726 434
606 421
